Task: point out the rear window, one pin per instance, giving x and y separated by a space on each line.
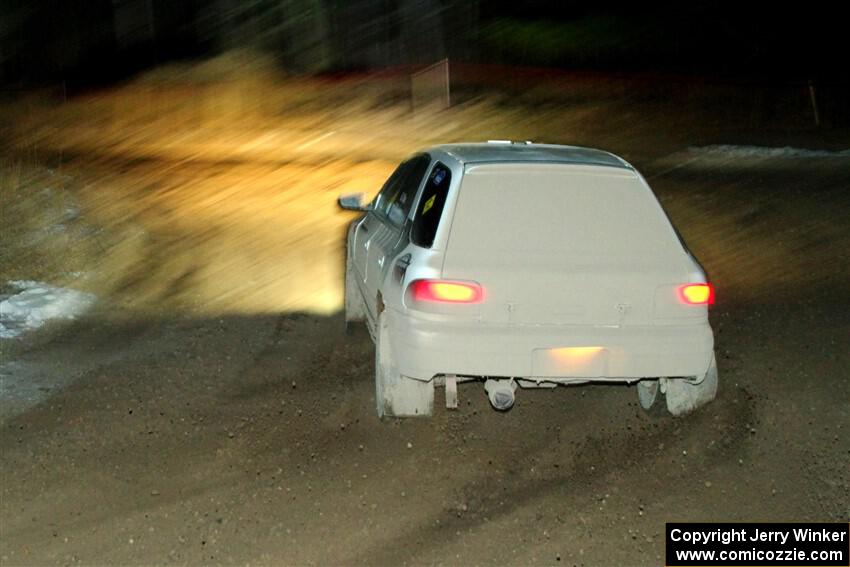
559 210
430 208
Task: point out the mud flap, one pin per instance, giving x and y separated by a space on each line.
397 395
451 392
408 397
355 309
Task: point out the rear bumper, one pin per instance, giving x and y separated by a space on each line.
569 353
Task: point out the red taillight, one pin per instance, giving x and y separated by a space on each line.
446 291
697 294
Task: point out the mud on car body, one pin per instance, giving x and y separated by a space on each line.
529 265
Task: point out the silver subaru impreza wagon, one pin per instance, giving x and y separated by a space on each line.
526 265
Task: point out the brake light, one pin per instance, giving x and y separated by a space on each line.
697 294
446 291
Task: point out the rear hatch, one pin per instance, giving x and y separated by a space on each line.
564 245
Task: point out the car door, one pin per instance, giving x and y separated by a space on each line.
363 230
368 226
391 213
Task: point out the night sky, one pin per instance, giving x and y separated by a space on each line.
100 39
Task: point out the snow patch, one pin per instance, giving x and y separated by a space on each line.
766 152
35 302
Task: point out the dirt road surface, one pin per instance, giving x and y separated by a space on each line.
235 423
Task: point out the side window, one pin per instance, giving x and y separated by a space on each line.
399 205
389 190
431 204
396 196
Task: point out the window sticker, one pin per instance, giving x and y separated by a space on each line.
439 175
428 204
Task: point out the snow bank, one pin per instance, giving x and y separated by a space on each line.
36 302
766 152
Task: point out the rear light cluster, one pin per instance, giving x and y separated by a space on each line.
697 294
447 291
454 291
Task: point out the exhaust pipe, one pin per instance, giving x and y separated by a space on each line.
501 393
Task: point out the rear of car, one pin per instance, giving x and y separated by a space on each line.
542 265
579 273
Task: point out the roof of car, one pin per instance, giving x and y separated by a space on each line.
513 152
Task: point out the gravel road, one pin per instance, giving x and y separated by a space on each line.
209 435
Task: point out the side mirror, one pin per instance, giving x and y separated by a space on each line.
353 202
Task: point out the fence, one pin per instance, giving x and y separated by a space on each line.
753 103
430 87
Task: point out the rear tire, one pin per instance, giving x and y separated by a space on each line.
397 395
650 397
684 396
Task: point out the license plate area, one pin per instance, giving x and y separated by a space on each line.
579 361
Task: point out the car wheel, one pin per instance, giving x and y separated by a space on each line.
355 308
397 395
684 396
651 398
